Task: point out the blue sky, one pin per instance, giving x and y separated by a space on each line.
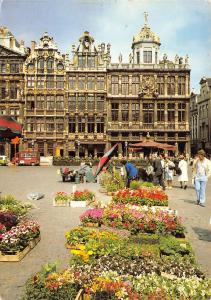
184 26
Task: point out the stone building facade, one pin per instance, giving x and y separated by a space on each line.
194 120
201 117
82 105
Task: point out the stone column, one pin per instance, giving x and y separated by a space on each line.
155 113
141 113
165 84
166 114
176 116
45 148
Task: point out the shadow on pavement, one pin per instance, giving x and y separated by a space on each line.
189 201
203 234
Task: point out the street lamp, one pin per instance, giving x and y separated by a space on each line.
126 143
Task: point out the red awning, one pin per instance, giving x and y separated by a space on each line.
153 144
9 127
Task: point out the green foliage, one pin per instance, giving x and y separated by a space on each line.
172 246
9 204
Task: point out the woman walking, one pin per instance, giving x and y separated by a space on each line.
201 173
169 172
183 177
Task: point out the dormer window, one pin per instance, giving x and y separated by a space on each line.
147 57
147 36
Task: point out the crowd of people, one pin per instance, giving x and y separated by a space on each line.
160 170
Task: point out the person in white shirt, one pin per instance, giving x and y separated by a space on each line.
183 178
201 173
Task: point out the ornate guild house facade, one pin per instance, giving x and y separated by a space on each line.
83 105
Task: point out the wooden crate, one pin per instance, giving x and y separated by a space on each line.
19 255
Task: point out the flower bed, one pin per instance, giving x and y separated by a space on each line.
147 220
92 217
9 204
150 196
17 235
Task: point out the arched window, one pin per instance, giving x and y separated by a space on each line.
40 64
50 64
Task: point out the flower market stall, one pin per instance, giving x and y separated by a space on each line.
134 248
18 235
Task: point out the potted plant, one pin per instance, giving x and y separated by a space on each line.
81 198
62 199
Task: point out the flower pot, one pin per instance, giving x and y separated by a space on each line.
55 203
77 203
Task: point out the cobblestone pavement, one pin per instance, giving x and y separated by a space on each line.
55 221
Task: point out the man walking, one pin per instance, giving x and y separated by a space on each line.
201 173
159 165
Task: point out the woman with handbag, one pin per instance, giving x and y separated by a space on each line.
183 177
169 172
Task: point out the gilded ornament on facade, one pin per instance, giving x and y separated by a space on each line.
148 87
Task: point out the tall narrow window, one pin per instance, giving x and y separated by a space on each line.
81 124
50 124
115 85
59 124
91 124
138 57
181 85
72 122
91 102
161 112
91 83
40 103
60 82
147 57
30 81
72 103
100 103
100 83
2 67
30 102
72 82
81 103
171 85
13 89
160 85
135 112
125 112
100 124
2 89
40 82
148 111
40 65
50 82
181 112
59 102
171 112
40 124
82 83
125 85
91 61
50 103
50 65
135 85
82 61
114 111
